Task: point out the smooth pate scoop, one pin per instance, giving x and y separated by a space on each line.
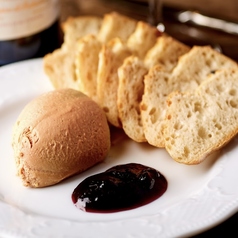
59 134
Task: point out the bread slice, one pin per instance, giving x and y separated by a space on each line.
111 58
59 65
161 59
130 90
201 122
153 104
194 67
116 25
76 27
142 39
165 52
131 76
86 64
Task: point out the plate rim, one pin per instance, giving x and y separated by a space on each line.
225 213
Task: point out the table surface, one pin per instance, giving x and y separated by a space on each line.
229 44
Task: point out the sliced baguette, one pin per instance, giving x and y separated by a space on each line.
166 52
76 27
196 65
131 76
130 90
59 65
192 68
142 39
153 103
86 64
116 25
132 72
111 58
201 122
161 59
60 69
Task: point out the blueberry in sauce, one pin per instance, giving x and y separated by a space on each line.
119 188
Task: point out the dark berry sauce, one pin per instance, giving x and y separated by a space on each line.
119 188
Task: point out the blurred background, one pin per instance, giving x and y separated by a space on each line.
200 22
193 22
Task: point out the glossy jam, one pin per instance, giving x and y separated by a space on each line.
119 188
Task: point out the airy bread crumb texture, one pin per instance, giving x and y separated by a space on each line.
188 72
198 123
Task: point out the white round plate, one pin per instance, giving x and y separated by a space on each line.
198 197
